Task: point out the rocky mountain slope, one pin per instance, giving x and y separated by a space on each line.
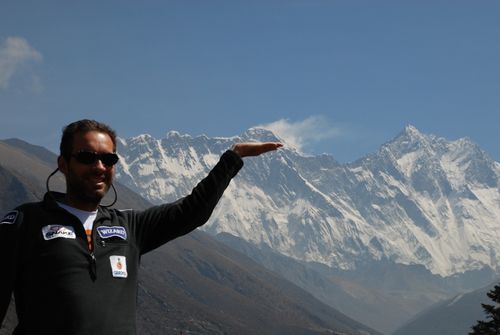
453 316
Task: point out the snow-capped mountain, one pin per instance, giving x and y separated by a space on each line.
420 199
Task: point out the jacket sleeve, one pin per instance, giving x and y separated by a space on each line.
160 224
9 236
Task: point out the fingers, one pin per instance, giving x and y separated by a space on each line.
255 148
271 146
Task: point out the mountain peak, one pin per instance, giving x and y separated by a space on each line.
261 134
174 134
412 134
408 140
412 130
143 138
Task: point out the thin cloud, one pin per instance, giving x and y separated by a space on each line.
305 133
14 53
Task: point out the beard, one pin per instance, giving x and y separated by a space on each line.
88 188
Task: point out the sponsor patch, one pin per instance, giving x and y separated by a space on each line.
51 232
10 217
114 231
118 266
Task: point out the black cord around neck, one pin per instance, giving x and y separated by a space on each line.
50 194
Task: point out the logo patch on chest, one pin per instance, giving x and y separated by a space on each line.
114 231
10 217
118 266
51 232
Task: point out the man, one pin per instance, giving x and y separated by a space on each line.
72 263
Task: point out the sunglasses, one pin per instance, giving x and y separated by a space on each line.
89 157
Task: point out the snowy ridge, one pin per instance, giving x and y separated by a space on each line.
419 200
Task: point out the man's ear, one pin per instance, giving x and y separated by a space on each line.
62 164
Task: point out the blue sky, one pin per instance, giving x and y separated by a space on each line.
335 76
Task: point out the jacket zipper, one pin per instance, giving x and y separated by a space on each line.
91 248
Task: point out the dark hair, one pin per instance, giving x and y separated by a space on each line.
82 126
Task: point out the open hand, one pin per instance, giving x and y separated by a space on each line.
255 148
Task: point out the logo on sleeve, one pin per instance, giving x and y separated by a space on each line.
118 266
114 231
10 217
51 232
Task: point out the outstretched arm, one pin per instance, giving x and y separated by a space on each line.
255 148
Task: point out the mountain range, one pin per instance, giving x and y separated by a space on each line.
420 199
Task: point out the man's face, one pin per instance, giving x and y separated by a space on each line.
87 184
